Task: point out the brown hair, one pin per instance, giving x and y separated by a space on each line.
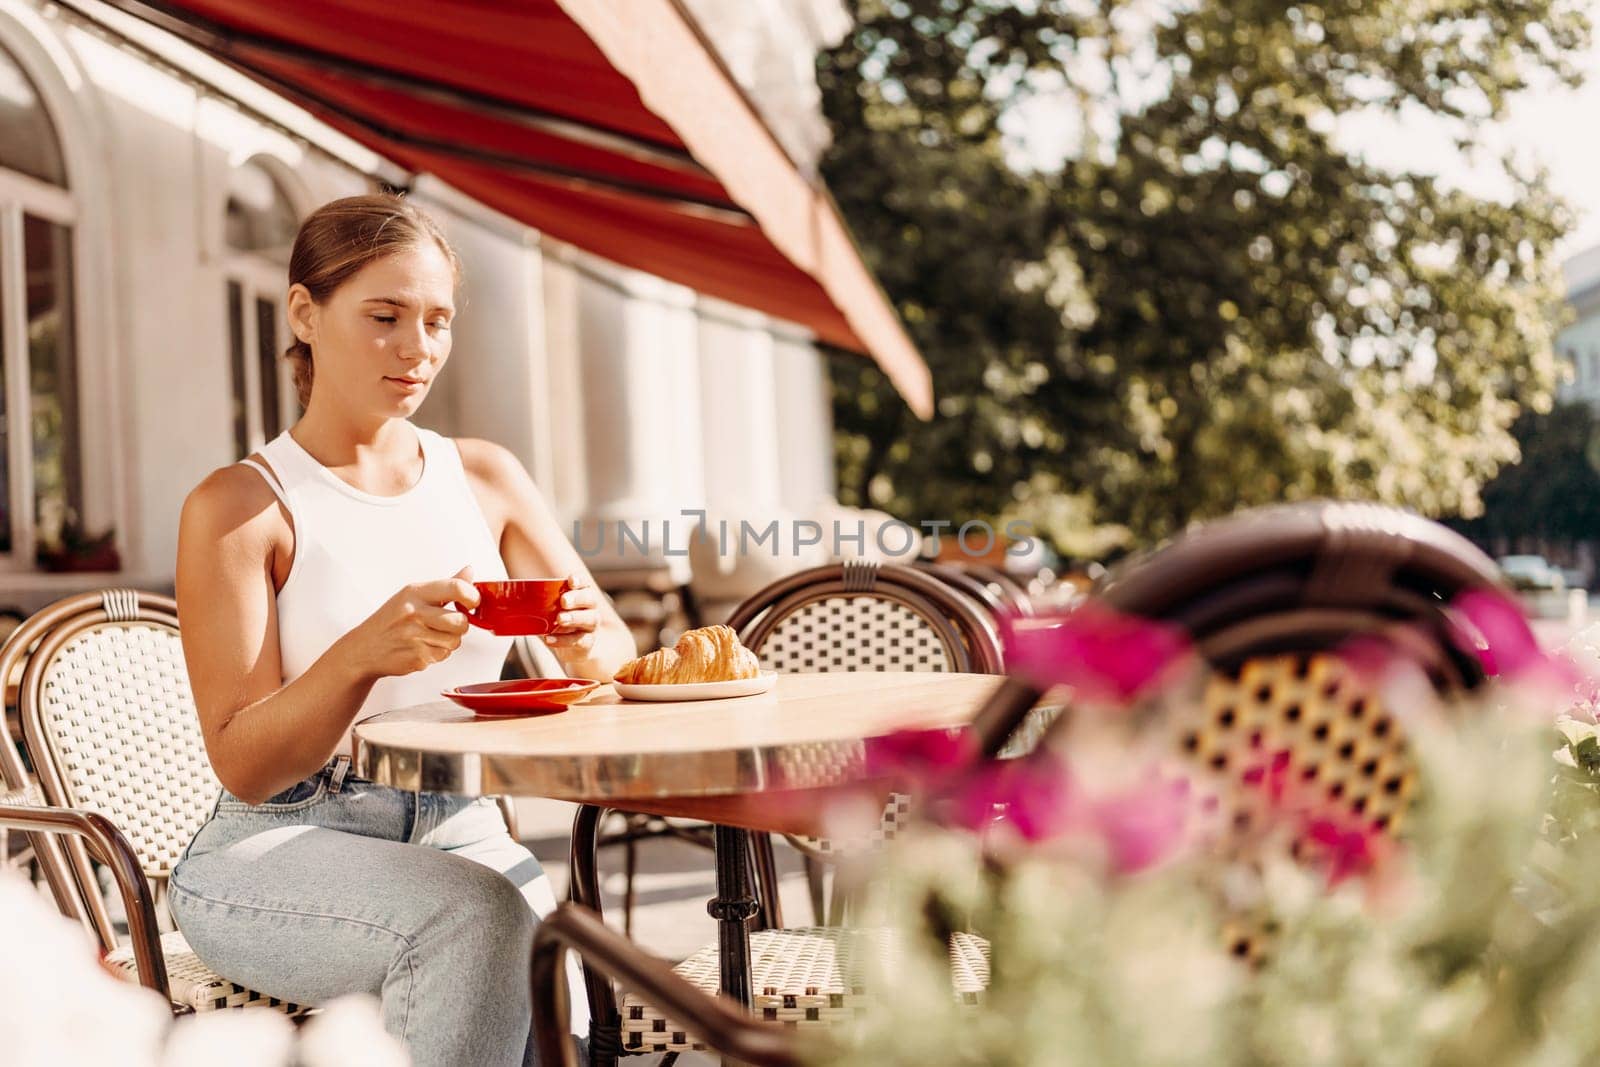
342 236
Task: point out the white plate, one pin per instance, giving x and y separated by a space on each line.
739 687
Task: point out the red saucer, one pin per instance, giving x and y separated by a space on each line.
522 696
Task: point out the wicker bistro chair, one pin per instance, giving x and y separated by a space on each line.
1004 585
1267 598
852 616
1301 568
859 616
110 728
979 592
855 616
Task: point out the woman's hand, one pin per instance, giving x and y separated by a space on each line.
590 639
416 628
579 618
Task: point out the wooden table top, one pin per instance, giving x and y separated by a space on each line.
807 733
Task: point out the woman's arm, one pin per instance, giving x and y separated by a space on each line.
263 736
591 640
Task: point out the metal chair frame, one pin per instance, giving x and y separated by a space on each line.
1000 600
19 810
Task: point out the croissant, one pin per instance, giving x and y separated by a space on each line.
708 654
652 669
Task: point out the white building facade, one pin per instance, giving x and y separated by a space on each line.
1579 342
148 196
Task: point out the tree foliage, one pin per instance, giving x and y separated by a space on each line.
1213 300
1552 493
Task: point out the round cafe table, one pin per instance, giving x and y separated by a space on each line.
746 763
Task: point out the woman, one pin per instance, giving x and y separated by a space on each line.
323 580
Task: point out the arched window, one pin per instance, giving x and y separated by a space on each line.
41 461
259 229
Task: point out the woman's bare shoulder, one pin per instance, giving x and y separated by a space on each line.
230 497
505 489
489 462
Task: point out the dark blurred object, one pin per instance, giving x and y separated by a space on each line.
77 554
1303 576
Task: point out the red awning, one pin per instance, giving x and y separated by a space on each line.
608 124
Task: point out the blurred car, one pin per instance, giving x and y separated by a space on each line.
1531 573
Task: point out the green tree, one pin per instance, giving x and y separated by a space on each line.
1213 301
1553 491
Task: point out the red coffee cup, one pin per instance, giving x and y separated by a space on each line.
519 606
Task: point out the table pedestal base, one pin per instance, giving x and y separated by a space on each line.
733 907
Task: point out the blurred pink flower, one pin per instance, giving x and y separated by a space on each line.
1271 777
1491 626
1142 827
918 755
1103 654
1370 659
1034 794
1349 852
1038 798
1496 632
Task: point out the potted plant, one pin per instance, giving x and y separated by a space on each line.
75 551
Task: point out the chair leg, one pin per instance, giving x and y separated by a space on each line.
630 868
815 885
838 901
605 1023
770 917
690 605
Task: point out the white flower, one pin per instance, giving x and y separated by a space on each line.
249 1037
348 1032
1583 651
59 1006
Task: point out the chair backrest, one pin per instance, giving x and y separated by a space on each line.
975 589
1268 598
1011 591
1303 576
108 720
865 616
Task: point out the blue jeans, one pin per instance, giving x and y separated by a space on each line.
422 900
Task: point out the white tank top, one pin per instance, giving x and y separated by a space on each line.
354 550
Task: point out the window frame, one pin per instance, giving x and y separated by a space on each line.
258 278
22 195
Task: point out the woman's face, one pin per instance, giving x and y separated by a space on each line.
382 336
